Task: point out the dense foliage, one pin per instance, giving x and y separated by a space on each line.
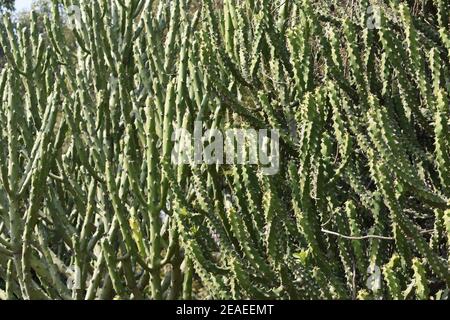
91 206
6 5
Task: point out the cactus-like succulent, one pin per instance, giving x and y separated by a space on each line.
93 207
